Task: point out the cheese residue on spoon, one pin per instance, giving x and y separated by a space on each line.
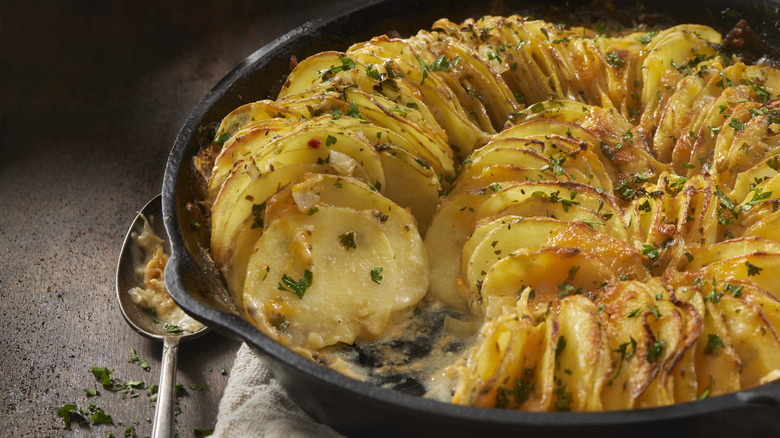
153 296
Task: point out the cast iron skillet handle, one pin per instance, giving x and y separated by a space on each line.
163 415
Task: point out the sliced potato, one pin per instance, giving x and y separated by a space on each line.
583 362
306 285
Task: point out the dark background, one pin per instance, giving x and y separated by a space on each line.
93 96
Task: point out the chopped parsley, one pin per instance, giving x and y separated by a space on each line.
296 287
348 240
257 215
752 269
646 38
655 350
376 275
713 343
615 60
650 251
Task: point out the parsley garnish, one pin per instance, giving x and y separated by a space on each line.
348 240
752 269
171 328
297 287
646 38
713 343
736 124
650 251
376 275
615 60
257 215
654 352
222 138
353 111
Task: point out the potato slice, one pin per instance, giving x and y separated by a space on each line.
705 255
563 152
312 191
754 340
566 201
500 175
410 185
496 240
497 366
449 230
236 227
512 366
362 250
624 305
682 371
717 363
528 158
314 69
551 273
583 361
312 289
308 141
436 153
241 147
387 56
755 267
251 113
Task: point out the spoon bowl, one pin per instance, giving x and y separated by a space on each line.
128 275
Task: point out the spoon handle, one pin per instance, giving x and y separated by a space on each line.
163 415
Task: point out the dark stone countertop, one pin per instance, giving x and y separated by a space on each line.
94 94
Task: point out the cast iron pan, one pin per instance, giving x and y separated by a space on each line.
361 409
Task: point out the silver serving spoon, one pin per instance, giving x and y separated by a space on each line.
130 258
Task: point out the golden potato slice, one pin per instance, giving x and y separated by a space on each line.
563 154
754 340
682 372
449 230
755 267
432 150
717 363
583 362
236 227
625 305
668 345
310 144
502 175
512 366
314 287
384 54
313 70
362 243
705 255
496 240
528 158
251 113
241 147
410 185
496 375
308 140
566 201
551 273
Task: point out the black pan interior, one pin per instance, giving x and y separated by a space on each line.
361 409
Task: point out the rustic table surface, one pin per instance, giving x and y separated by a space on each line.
93 96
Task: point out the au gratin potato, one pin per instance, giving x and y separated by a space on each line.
514 214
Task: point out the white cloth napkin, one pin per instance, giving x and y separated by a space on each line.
255 405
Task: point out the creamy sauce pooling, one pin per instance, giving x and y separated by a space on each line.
153 296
